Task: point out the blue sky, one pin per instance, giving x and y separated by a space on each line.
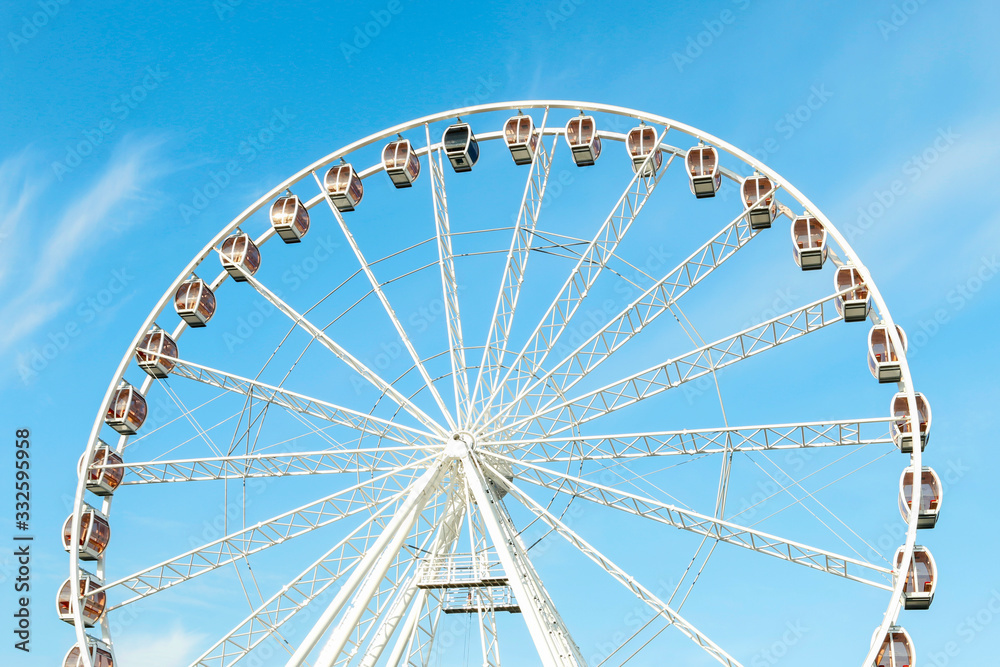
133 134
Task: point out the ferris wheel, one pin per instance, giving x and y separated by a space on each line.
414 367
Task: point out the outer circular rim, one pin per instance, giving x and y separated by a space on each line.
905 384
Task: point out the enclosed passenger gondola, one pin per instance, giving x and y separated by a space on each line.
581 135
194 301
102 481
521 138
290 218
931 495
902 428
921 578
758 200
127 410
461 147
401 163
855 304
344 186
100 655
809 242
703 170
883 357
240 256
153 352
640 142
896 649
95 532
93 605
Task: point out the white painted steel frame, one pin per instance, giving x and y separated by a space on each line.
880 312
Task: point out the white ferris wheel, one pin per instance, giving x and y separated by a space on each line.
403 433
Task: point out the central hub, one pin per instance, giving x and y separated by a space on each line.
461 443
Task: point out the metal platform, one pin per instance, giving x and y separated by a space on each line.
473 600
462 571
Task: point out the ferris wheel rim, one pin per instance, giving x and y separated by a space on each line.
884 315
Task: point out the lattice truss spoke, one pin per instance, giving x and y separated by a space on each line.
578 285
653 302
674 372
713 528
622 577
377 459
281 528
703 441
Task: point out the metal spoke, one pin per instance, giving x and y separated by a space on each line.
377 288
303 404
724 531
449 279
513 273
627 580
582 278
372 459
674 372
702 441
276 530
349 359
652 303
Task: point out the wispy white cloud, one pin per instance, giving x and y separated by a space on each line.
163 649
53 265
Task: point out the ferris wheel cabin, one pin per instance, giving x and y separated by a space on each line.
152 353
344 187
461 147
102 481
902 428
758 200
95 533
703 170
855 304
896 649
883 358
581 135
809 242
640 142
127 410
100 655
931 495
194 301
290 218
93 605
521 138
401 163
921 578
240 256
